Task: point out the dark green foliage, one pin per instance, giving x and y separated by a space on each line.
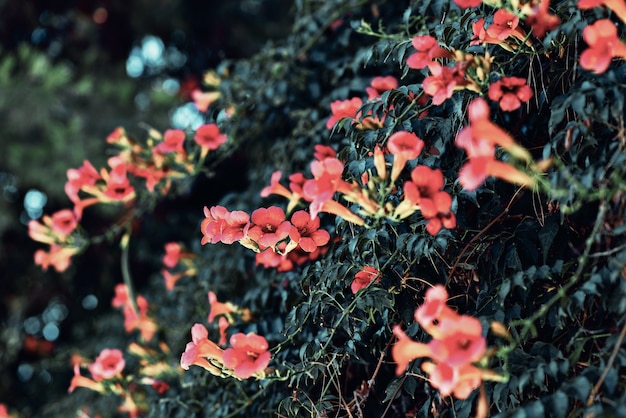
511 257
548 263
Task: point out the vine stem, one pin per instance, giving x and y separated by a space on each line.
124 245
528 323
485 229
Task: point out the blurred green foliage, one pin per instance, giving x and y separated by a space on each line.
54 119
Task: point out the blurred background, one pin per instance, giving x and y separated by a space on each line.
70 72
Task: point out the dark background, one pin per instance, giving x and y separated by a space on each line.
64 86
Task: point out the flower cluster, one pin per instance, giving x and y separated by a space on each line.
135 314
350 108
56 230
248 355
604 45
225 313
457 342
106 378
203 99
424 193
479 141
177 263
165 156
161 159
267 229
411 177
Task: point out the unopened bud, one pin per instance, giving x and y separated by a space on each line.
379 163
499 329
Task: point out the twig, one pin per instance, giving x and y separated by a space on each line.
496 219
605 373
528 323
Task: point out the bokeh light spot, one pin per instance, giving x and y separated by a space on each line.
100 15
34 201
90 302
25 372
51 331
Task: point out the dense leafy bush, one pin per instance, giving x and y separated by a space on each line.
471 185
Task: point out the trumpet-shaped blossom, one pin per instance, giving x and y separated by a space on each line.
209 137
219 308
117 187
604 45
479 140
443 81
363 278
404 146
64 222
41 232
139 320
433 309
286 262
458 340
336 208
173 141
84 382
202 100
380 163
221 225
134 319
271 259
423 193
171 279
466 4
617 6
248 355
55 229
405 350
172 255
118 136
379 85
510 93
480 34
223 325
457 381
476 170
327 180
324 151
58 257
457 343
269 226
343 109
121 297
505 24
276 188
201 351
107 365
428 49
77 178
307 232
150 172
540 19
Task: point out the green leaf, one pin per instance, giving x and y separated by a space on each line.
547 234
578 388
393 389
559 404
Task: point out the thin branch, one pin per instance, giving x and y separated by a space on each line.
609 364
